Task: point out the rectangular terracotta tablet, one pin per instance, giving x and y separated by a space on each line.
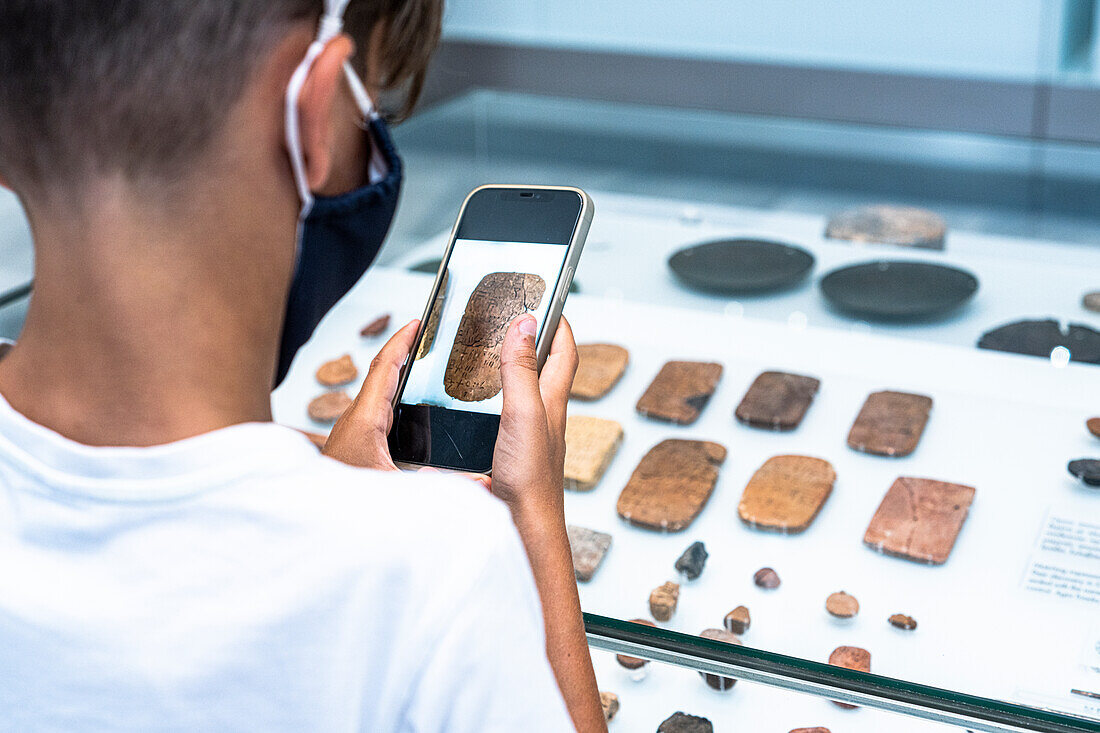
600 367
588 548
919 519
680 391
590 444
434 316
473 370
777 400
890 423
671 484
786 493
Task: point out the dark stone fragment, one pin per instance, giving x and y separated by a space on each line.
1086 469
1039 338
683 723
692 561
766 578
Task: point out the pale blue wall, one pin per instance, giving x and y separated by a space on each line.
999 39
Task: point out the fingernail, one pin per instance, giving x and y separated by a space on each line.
527 326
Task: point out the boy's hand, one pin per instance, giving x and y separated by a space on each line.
529 458
359 437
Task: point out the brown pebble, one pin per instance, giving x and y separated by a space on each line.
610 702
683 723
766 578
328 407
662 601
842 605
901 621
337 372
377 327
634 662
719 682
1091 301
850 657
1093 424
818 729
738 620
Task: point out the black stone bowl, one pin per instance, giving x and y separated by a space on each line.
898 290
734 266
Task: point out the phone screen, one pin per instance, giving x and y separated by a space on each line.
508 257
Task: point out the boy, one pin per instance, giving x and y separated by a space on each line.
172 560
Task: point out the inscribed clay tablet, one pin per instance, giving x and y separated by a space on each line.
337 372
1093 424
671 484
600 367
683 723
919 519
890 423
590 444
786 493
905 226
1039 338
434 316
777 400
680 391
329 406
588 547
473 370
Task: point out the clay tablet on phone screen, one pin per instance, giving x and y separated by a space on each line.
671 484
434 315
919 519
473 370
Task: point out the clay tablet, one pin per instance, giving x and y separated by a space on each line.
473 369
671 484
600 367
1093 424
663 600
431 327
901 225
890 423
634 662
680 391
588 547
337 372
329 406
919 519
377 327
777 400
716 681
786 493
590 444
1091 301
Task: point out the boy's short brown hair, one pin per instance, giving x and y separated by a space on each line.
139 87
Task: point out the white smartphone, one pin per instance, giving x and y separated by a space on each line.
513 250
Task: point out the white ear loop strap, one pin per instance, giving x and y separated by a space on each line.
331 25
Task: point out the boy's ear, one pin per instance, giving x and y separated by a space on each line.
315 108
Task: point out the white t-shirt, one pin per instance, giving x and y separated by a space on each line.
240 581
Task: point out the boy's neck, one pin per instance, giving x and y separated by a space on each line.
147 330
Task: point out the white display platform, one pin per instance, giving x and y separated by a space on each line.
632 237
1005 424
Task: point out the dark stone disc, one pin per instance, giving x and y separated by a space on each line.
732 266
898 291
1086 469
1039 338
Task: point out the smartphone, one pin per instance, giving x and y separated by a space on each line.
513 250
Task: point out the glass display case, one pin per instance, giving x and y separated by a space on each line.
837 430
909 492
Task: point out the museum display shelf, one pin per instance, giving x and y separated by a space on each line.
1008 624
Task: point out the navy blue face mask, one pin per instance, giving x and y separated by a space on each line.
340 237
